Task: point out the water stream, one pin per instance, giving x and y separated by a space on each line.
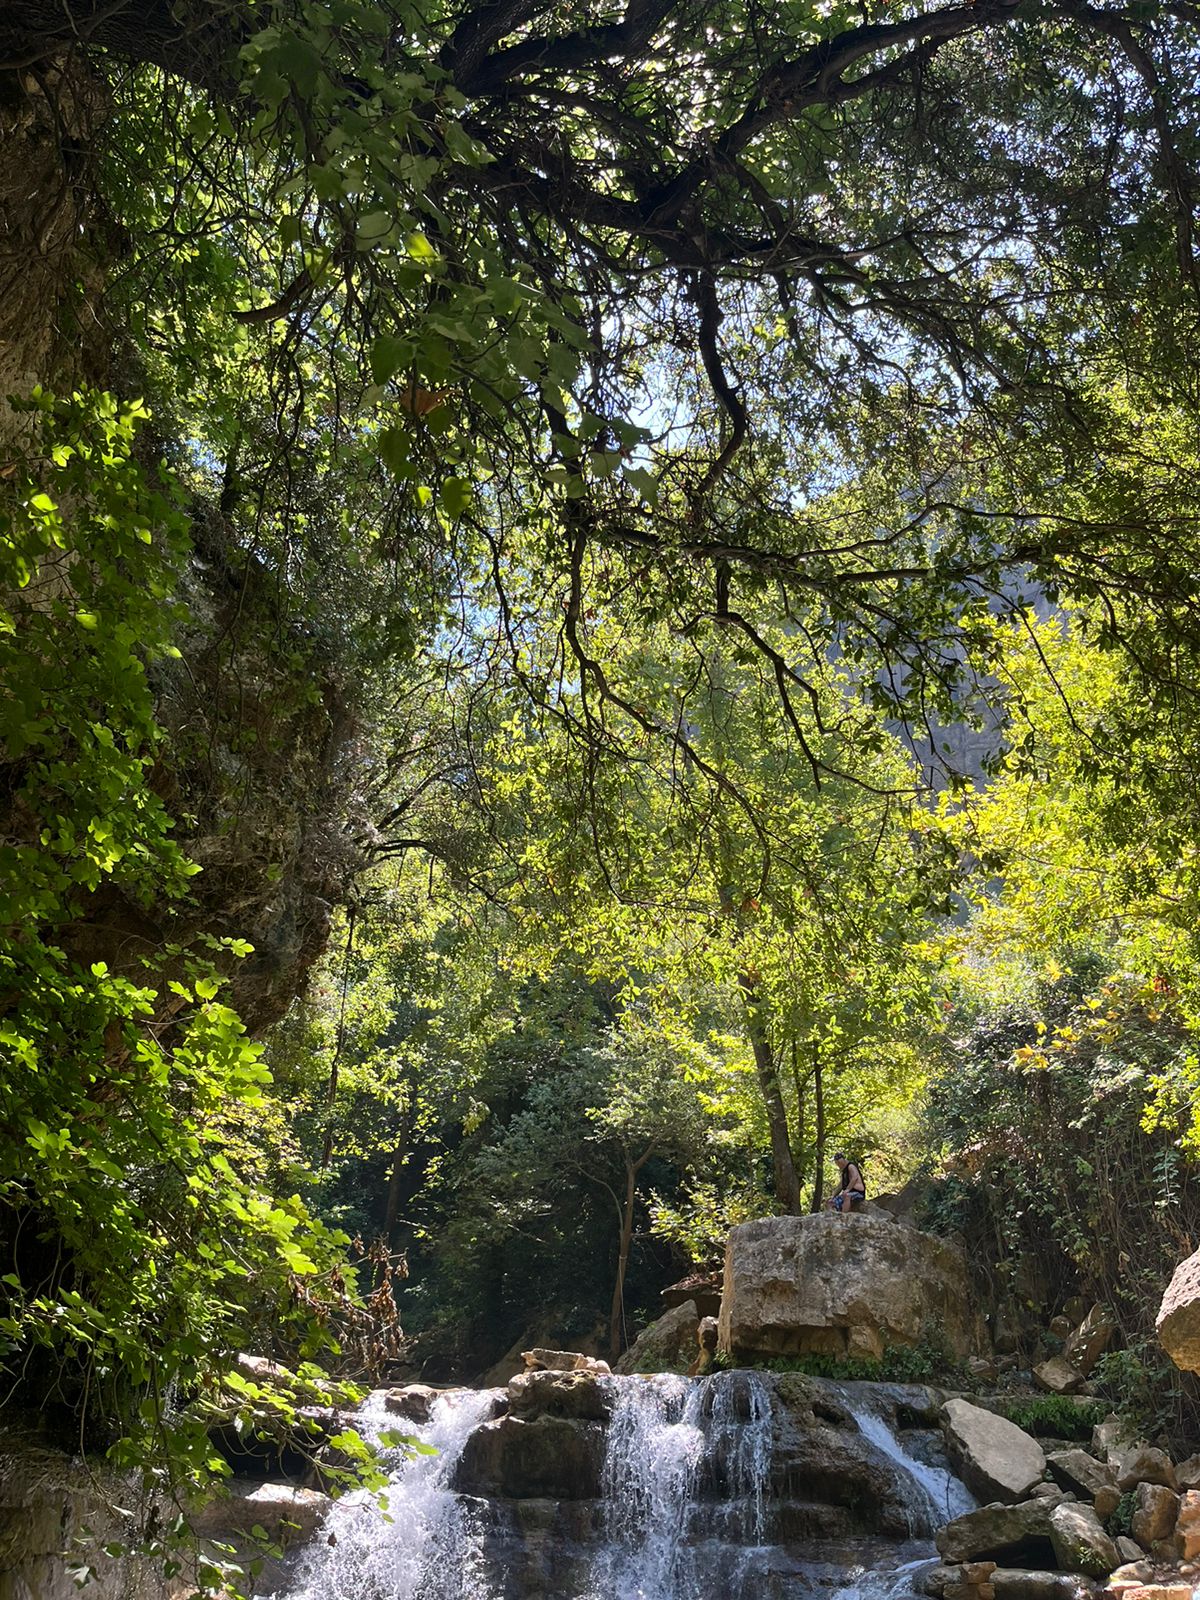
935 1495
685 1512
421 1544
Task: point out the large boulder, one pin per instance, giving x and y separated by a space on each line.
414 1401
1081 1473
1178 1321
1015 1583
1154 1514
1058 1376
1090 1340
582 1395
840 1286
668 1345
994 1458
1080 1542
1142 1463
1008 1534
285 1513
547 1458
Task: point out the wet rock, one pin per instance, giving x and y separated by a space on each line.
581 1395
1080 1472
1080 1542
1144 1464
413 1402
1057 1376
1020 1583
286 1514
938 1579
1178 1322
552 1458
1002 1533
840 1286
1134 1568
1155 1511
994 1458
1090 1340
668 1345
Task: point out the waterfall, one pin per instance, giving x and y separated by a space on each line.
936 1496
420 1544
685 1510
666 1434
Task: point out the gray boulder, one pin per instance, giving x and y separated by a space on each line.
1019 1533
840 1286
1081 1473
1144 1464
668 1345
582 1395
546 1458
1080 1542
994 1458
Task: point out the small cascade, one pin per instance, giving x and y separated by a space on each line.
420 1545
667 1435
935 1496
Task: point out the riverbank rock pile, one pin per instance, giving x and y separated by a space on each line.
1120 1519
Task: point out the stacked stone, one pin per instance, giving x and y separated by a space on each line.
1043 1529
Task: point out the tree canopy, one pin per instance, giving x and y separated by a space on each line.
526 488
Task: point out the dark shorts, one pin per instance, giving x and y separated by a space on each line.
854 1196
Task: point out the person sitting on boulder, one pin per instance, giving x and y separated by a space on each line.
853 1193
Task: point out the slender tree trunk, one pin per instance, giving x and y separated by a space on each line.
331 1092
819 1142
799 1145
616 1321
399 1156
783 1167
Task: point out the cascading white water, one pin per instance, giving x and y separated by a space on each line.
665 1432
424 1548
684 1512
938 1495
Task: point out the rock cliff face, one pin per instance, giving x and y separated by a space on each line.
55 1519
841 1286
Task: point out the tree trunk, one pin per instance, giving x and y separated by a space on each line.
783 1167
800 1086
399 1157
819 1142
616 1321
